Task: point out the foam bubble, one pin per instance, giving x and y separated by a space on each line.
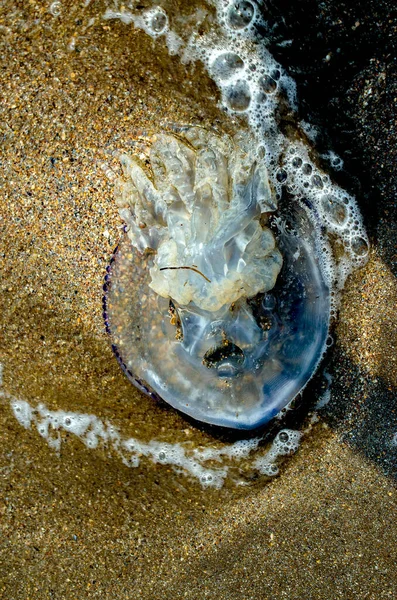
334 160
55 8
359 246
238 95
268 84
334 210
240 14
156 21
225 65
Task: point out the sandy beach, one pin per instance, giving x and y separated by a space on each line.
76 522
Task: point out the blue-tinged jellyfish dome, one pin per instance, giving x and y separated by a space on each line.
208 307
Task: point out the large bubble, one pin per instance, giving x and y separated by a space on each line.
240 14
226 65
238 96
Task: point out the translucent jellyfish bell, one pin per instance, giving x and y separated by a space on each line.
206 307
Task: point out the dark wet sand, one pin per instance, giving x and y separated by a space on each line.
82 525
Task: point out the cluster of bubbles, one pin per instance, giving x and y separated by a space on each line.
285 443
253 84
248 76
333 210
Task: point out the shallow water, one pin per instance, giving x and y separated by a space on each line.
150 531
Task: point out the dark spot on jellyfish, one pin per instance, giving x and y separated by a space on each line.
240 14
227 359
238 96
226 65
268 84
334 209
263 308
158 22
359 246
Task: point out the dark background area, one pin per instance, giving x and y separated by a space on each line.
343 59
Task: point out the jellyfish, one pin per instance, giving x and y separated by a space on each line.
215 299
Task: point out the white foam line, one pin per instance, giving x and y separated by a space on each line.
95 433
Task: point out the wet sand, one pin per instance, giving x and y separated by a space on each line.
81 524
